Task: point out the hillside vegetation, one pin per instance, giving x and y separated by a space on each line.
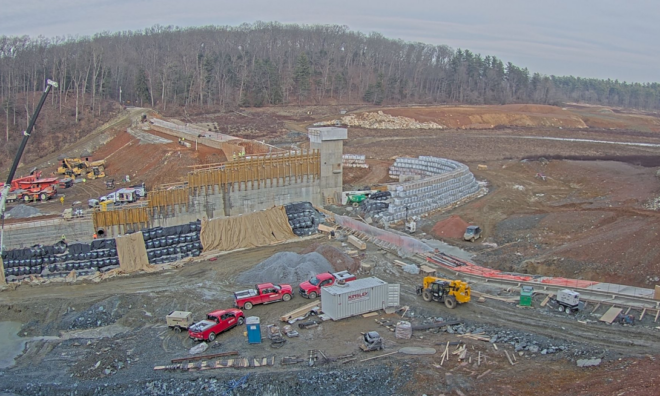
182 71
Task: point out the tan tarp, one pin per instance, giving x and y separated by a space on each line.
3 281
255 229
132 253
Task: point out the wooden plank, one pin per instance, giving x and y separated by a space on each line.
193 358
610 315
628 310
642 315
509 357
379 356
325 228
299 311
400 263
656 315
357 242
370 314
545 301
595 308
484 373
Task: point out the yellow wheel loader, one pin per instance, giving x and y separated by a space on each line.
450 292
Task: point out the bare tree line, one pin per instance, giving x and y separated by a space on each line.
274 64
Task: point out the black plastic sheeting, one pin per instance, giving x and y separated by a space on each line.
375 203
169 244
303 218
60 259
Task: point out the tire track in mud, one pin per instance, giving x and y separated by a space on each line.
628 340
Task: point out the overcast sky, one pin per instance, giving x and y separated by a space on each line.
586 38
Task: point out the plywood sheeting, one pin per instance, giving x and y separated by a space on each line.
610 315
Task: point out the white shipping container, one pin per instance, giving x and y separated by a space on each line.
358 297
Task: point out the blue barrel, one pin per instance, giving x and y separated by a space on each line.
253 330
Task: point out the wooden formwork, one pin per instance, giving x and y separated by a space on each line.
164 198
133 217
255 171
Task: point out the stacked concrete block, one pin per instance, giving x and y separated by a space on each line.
354 161
443 182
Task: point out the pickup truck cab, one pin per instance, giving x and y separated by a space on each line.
264 293
215 323
312 287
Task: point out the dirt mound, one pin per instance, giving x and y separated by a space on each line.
487 117
339 260
286 267
453 227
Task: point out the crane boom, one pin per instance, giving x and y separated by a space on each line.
26 135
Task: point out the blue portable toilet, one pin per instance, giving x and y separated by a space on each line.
253 330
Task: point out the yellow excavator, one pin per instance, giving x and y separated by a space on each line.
72 167
75 167
450 292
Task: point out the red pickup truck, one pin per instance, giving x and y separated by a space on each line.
264 293
216 322
312 287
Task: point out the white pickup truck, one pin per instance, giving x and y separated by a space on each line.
121 196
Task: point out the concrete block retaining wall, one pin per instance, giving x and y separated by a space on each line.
443 182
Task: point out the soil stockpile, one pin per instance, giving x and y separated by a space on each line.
453 227
286 267
339 260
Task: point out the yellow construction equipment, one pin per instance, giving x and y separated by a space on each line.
72 167
96 170
450 292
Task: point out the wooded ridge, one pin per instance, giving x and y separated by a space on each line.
262 64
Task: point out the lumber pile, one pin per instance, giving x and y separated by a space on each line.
302 311
355 241
476 336
218 364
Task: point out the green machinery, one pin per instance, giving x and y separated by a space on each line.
355 199
526 296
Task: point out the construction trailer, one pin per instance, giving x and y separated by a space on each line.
358 297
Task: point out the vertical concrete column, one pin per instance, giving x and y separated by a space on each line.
330 143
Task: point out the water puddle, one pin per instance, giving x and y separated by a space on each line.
11 345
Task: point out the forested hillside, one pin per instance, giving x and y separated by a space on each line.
273 64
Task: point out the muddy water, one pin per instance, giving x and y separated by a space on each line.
11 345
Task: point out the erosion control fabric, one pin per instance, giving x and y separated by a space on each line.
255 229
133 253
2 272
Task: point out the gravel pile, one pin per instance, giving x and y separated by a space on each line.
286 267
103 313
22 212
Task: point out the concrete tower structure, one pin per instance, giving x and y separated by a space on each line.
330 142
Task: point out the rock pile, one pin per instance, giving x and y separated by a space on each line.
22 212
286 267
381 120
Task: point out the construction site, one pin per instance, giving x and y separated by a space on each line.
431 250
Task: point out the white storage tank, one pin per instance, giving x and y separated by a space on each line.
358 297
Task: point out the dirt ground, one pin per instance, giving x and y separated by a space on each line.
66 323
583 208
